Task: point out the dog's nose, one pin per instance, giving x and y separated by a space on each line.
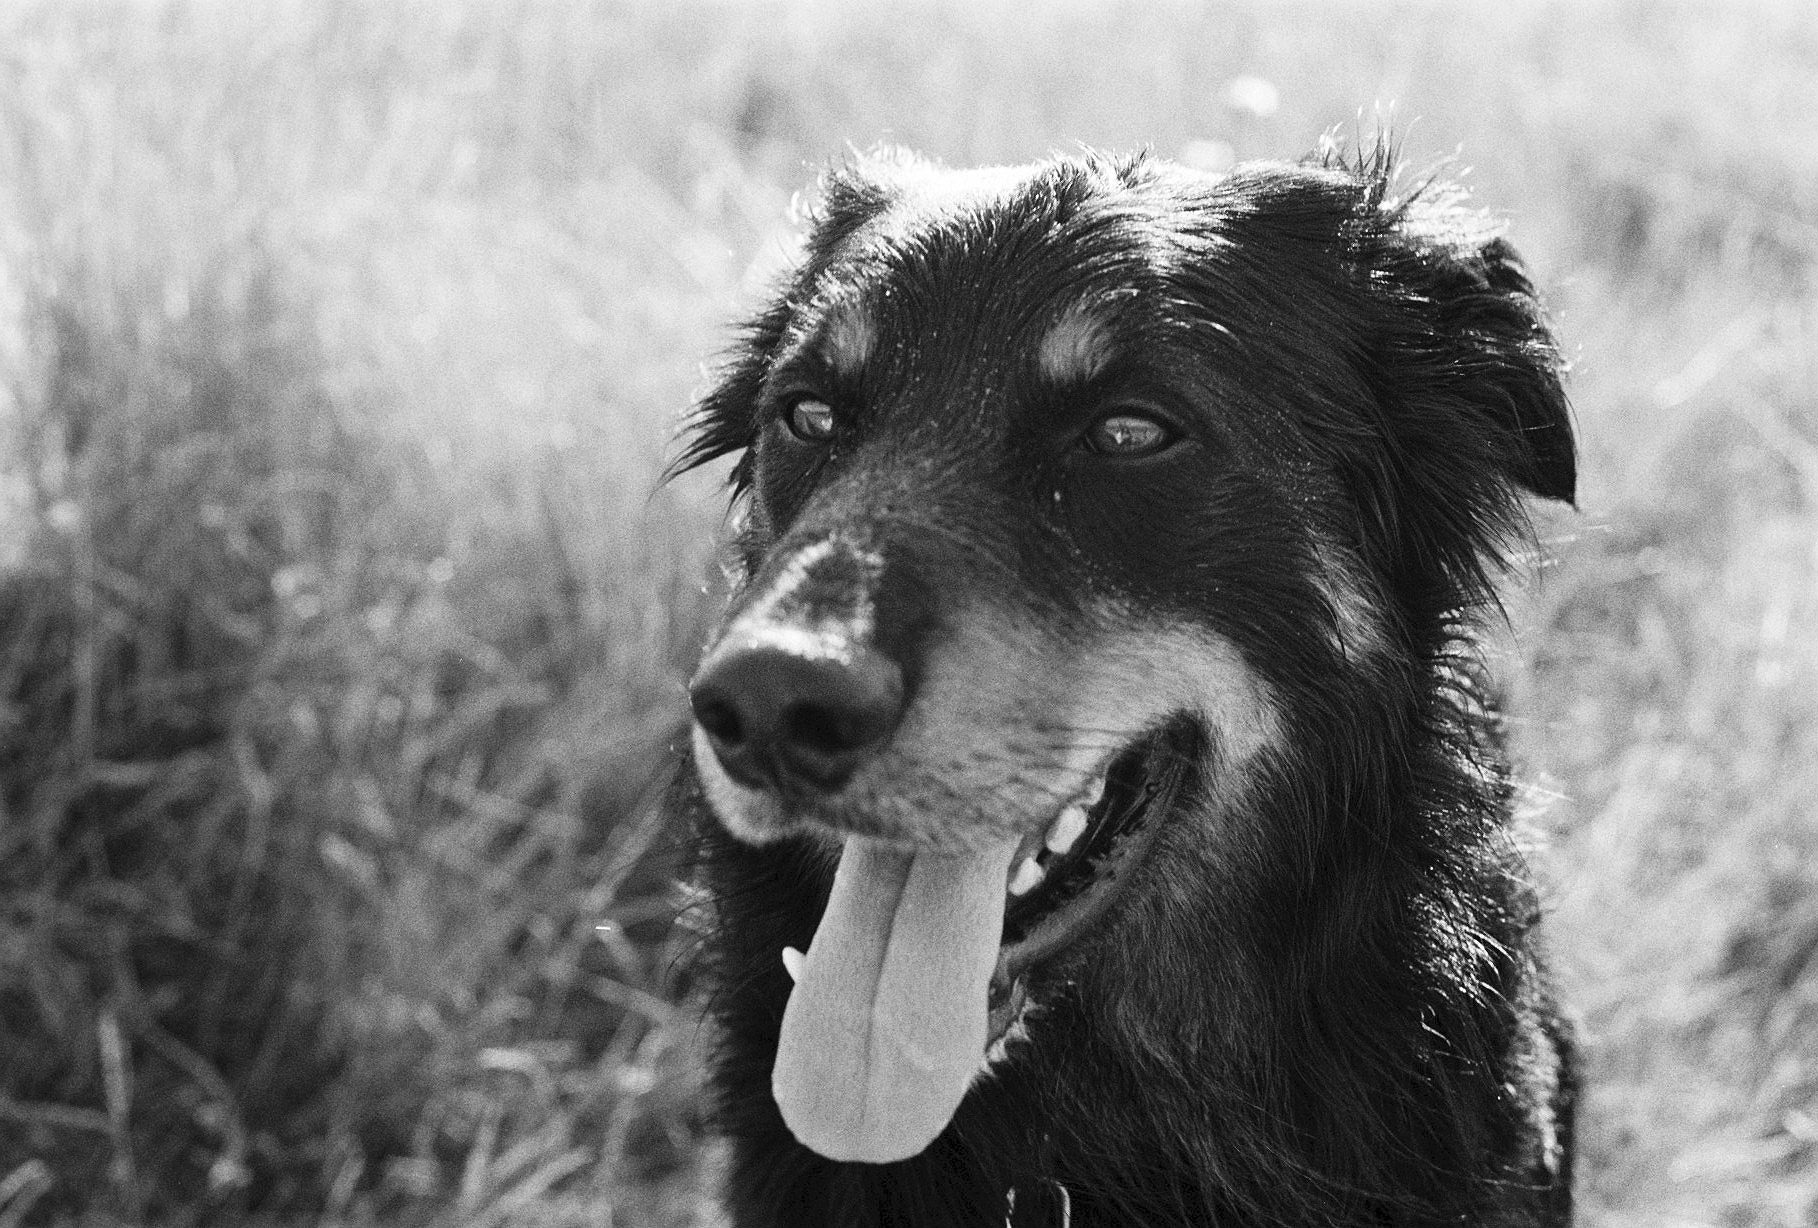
776 716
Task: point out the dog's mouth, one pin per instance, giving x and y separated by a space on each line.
1065 880
919 967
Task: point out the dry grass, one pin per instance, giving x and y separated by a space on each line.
339 347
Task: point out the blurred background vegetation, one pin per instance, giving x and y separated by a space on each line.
344 621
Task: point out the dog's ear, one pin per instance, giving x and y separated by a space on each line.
1465 361
1463 377
724 422
1547 460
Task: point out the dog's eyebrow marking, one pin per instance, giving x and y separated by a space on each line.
1075 348
847 337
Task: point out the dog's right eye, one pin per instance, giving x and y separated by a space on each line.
809 420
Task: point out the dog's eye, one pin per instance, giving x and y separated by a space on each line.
810 420
1128 434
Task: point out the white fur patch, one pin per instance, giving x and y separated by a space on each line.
857 619
1076 348
1358 633
1149 674
752 815
848 337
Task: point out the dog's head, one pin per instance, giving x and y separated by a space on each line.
1073 494
1035 460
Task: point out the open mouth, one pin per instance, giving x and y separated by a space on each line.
883 1031
1064 881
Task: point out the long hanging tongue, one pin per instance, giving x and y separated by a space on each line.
886 1028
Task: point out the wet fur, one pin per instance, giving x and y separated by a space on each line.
1332 1012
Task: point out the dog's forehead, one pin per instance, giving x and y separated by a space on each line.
989 241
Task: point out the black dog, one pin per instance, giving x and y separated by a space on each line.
1098 709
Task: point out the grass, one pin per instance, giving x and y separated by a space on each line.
340 345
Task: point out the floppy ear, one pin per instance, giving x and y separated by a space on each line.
1463 380
1546 461
1465 359
724 423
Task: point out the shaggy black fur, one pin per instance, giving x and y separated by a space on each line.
1331 1011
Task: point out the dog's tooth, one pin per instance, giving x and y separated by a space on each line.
1028 876
1093 792
792 963
1068 825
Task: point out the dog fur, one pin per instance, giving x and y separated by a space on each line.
1319 1000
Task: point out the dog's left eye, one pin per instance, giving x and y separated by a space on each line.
810 420
1128 434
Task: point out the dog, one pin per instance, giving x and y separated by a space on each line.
1101 811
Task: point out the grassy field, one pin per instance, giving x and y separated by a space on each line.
341 345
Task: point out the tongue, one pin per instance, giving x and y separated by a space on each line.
886 1028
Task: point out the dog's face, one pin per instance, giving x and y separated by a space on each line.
1074 496
1080 450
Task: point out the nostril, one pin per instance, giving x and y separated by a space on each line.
830 731
719 718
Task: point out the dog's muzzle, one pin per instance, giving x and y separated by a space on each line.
796 695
